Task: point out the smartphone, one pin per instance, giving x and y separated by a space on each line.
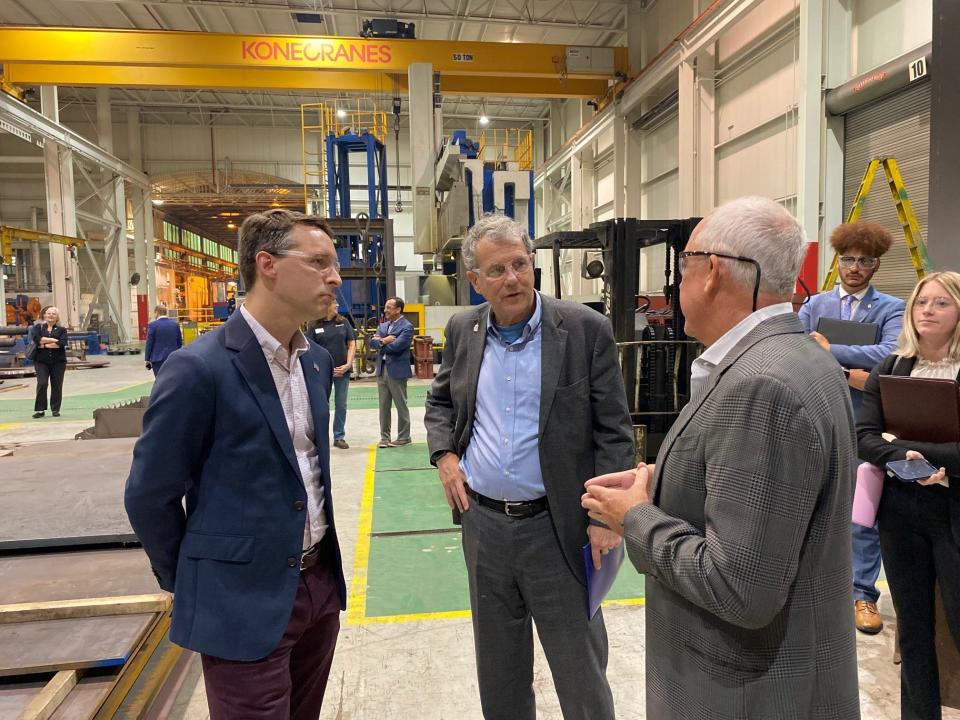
911 470
457 514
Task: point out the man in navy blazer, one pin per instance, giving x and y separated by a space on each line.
237 427
392 341
859 246
163 337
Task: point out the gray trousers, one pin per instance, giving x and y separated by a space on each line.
517 572
393 390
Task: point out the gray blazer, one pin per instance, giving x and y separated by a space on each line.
746 546
585 426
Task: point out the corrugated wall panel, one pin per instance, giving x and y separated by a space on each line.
897 127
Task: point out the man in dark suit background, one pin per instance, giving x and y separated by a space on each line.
392 341
859 247
529 403
743 533
163 337
238 426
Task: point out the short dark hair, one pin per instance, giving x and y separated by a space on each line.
269 231
871 238
396 301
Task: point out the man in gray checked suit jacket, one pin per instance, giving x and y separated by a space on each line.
744 531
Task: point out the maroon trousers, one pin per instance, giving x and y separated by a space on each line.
288 684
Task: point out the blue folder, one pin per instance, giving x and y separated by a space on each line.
600 581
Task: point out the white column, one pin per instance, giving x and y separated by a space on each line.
422 154
810 117
620 130
705 194
151 252
633 186
582 206
61 216
36 267
838 22
115 245
687 151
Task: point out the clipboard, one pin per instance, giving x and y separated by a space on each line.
921 409
848 332
600 581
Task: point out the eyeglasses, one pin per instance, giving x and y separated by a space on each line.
940 303
520 266
867 263
320 263
682 264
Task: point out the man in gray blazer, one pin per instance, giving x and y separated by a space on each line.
528 404
744 531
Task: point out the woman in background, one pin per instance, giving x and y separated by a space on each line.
50 361
337 336
919 522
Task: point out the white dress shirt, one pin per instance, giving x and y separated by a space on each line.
701 368
291 387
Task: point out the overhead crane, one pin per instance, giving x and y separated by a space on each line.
135 58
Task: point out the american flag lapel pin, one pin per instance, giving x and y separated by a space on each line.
316 367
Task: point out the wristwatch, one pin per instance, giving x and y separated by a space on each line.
435 457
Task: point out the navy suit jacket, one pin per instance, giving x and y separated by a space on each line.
163 337
215 434
875 307
396 355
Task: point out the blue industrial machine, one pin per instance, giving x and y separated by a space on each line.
477 178
361 250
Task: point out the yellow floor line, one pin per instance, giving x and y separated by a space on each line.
9 426
357 602
416 617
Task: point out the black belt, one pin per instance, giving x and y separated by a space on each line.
511 508
312 555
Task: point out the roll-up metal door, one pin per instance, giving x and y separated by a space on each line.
896 126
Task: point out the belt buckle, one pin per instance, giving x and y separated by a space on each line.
507 508
308 554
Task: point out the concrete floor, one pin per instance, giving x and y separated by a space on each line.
420 669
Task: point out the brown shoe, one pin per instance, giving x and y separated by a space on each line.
341 444
867 617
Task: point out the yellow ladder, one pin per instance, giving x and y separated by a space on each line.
908 221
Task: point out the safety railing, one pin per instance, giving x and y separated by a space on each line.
501 145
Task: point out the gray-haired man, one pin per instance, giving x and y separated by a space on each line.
744 532
528 404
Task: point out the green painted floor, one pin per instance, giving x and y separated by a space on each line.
81 407
364 396
416 561
74 407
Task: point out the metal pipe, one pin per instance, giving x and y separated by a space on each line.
883 80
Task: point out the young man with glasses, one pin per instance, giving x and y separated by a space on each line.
529 402
859 246
238 427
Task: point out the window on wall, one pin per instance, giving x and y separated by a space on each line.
196 242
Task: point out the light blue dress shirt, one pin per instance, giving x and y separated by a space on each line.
503 458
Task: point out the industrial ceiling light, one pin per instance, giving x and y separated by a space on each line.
341 113
484 120
157 201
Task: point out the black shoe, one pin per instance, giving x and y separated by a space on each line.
38 414
56 413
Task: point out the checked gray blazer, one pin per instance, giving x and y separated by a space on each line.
746 546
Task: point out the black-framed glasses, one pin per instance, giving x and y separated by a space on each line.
867 263
707 253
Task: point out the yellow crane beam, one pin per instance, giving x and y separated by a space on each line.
8 234
137 51
273 79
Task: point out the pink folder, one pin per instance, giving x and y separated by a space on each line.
866 499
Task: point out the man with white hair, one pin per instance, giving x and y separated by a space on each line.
743 525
